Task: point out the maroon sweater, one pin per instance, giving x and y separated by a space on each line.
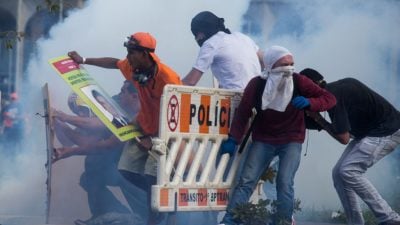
276 127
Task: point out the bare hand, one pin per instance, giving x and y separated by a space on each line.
60 115
145 143
76 57
61 153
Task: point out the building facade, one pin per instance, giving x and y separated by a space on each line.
22 23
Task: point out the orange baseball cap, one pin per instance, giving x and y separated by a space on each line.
143 41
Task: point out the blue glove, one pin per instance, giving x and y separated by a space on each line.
300 102
228 146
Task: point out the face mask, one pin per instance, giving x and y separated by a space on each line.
204 37
285 71
278 88
200 42
282 73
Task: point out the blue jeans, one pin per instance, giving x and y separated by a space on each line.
258 159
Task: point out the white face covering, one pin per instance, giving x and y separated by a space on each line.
278 89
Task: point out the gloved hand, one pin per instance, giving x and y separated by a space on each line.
228 146
300 102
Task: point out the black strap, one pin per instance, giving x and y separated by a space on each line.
260 89
296 91
246 138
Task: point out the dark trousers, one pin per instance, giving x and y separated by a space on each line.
100 172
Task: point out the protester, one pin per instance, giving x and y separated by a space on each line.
13 126
280 97
103 149
233 57
149 75
373 124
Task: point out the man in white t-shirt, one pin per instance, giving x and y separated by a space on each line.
234 58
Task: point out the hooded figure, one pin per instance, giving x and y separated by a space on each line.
279 86
207 23
370 127
277 130
232 57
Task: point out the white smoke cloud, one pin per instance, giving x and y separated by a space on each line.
348 38
99 30
342 39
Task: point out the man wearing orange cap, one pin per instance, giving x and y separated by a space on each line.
149 75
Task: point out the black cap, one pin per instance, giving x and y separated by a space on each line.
208 23
314 75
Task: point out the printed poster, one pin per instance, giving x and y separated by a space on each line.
105 108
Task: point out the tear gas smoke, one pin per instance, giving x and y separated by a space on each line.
339 38
98 30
